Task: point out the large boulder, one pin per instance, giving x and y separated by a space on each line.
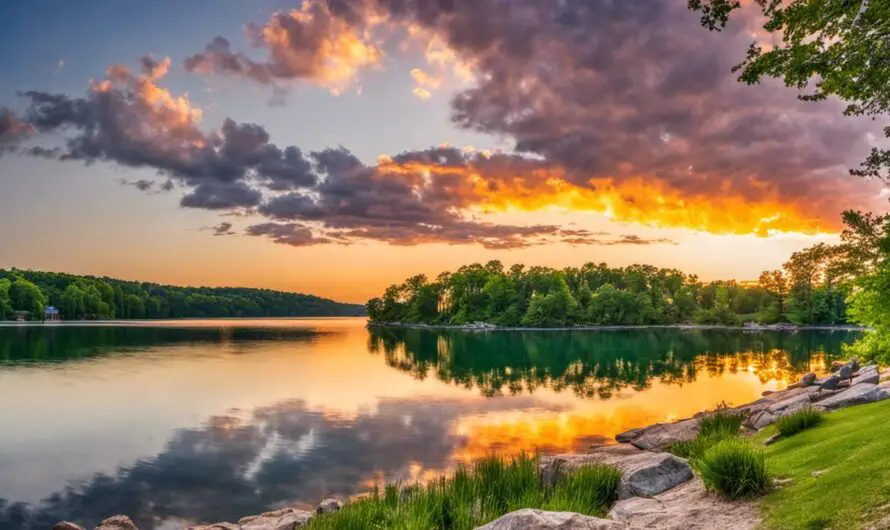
631 435
528 519
286 519
553 468
118 522
790 405
648 474
759 420
659 436
66 525
867 374
855 395
829 383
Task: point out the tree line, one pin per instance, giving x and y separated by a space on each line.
91 298
814 287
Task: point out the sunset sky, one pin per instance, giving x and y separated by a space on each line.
337 146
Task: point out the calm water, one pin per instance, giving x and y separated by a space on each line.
212 420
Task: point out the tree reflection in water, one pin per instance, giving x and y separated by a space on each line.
600 363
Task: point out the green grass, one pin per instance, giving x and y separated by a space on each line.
735 468
476 495
720 423
713 428
852 450
802 419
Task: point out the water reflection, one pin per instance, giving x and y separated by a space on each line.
208 421
235 465
599 364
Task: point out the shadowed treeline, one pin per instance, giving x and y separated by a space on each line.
598 364
39 344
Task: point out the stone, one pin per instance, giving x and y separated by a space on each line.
855 395
118 522
854 362
217 526
772 439
661 435
782 481
649 474
759 420
689 506
818 473
66 525
328 506
626 509
631 435
788 406
829 383
767 392
868 374
528 519
286 519
553 468
808 379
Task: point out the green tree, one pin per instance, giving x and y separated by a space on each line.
828 48
26 296
72 303
5 300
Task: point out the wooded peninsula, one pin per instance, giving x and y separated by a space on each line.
816 286
28 293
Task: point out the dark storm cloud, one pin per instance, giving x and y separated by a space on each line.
218 57
614 90
222 196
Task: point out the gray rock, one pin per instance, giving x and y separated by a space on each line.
788 406
118 522
772 439
286 519
328 506
854 362
855 395
808 379
631 435
868 374
845 372
661 435
648 474
759 420
626 509
528 519
217 526
67 525
829 383
553 468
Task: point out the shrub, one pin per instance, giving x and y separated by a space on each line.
475 495
735 468
798 421
722 422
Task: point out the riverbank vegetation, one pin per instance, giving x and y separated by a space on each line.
475 495
839 472
92 298
821 285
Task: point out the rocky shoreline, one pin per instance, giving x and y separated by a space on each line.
657 489
485 326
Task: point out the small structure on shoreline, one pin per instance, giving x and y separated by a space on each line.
21 316
51 314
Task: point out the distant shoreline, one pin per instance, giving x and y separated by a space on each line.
481 326
149 322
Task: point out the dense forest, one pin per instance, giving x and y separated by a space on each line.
814 287
92 298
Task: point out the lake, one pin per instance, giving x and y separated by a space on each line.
185 421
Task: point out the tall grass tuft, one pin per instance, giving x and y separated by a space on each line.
475 495
735 468
798 421
722 422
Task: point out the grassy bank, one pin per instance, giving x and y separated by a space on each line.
475 495
840 472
